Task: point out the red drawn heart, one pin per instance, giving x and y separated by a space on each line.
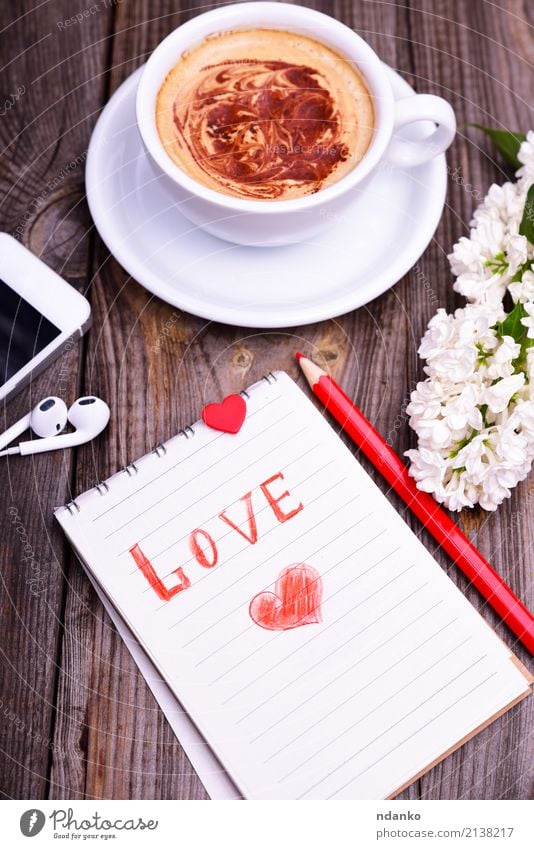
296 600
228 416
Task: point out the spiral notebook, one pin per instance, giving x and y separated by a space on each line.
317 646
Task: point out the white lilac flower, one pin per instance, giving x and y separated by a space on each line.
497 486
502 203
511 447
461 413
434 433
474 412
474 326
523 417
523 289
526 157
491 313
501 363
517 253
473 457
428 468
528 321
458 493
439 333
486 262
455 364
498 395
425 399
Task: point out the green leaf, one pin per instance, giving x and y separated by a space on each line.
526 228
506 142
511 326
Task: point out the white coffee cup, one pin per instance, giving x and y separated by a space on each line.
256 222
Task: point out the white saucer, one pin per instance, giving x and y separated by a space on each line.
360 256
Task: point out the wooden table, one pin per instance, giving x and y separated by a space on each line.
77 719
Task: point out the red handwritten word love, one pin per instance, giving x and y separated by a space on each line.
203 546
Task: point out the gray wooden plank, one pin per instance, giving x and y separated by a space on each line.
481 60
43 140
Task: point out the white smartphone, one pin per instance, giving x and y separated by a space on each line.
40 314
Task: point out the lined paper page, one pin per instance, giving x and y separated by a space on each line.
213 776
316 644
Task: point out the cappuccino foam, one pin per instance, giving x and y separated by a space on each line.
264 114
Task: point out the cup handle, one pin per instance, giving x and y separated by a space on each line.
421 107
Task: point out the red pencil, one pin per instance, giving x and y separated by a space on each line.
498 594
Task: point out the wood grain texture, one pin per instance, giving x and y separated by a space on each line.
66 674
43 140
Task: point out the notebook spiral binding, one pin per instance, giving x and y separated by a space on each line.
159 450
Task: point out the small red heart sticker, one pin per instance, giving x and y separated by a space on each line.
227 416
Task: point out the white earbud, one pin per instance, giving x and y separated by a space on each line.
47 419
89 416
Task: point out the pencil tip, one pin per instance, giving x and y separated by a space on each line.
312 372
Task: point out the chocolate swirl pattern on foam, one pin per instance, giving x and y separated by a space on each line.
257 126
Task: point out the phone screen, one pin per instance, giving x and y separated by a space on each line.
24 332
